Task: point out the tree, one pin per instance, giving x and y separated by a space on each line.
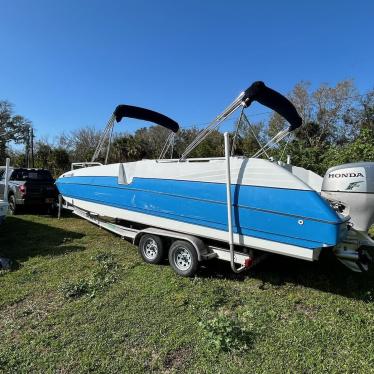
60 161
361 116
152 139
183 138
43 154
211 146
331 105
127 148
47 156
17 157
361 149
12 128
332 116
338 126
248 136
80 144
323 112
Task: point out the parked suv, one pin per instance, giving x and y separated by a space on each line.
29 187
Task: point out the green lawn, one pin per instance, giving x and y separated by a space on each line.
80 299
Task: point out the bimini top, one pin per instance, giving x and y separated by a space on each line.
273 100
145 115
266 96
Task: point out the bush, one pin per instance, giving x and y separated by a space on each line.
72 290
101 277
362 149
228 333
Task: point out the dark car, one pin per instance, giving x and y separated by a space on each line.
29 187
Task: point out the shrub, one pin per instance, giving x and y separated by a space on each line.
103 275
228 333
75 290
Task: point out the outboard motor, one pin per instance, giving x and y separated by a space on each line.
350 190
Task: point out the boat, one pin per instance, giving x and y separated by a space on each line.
253 205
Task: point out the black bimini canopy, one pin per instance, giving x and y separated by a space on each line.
273 100
145 115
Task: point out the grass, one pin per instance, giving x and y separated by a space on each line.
80 300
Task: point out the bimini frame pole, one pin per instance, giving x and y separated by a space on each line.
109 144
265 96
106 134
237 103
229 206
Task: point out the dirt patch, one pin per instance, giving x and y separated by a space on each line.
177 358
308 310
29 309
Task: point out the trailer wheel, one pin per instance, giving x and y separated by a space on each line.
183 258
151 249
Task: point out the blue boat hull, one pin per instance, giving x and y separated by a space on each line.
297 217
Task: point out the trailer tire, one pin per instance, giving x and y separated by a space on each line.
151 249
183 258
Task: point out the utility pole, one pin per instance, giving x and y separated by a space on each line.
27 150
32 146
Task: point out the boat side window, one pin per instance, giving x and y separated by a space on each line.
2 174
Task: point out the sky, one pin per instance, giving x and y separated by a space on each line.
68 64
